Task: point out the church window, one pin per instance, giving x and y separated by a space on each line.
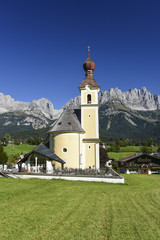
64 150
89 147
89 99
89 115
90 167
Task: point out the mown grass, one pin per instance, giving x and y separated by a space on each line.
18 149
64 210
134 149
127 151
120 155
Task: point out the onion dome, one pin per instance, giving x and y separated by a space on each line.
89 67
89 64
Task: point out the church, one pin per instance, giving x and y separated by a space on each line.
74 137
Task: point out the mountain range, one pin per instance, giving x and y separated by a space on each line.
134 114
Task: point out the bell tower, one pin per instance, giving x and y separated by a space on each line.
89 90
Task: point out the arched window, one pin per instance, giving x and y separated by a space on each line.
89 99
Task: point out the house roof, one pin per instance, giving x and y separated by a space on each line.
44 151
134 157
68 121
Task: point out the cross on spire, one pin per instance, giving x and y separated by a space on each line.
88 51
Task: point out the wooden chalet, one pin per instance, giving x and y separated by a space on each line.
140 163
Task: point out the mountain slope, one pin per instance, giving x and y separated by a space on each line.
134 114
18 116
121 122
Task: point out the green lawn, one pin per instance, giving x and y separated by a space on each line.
134 149
127 151
120 155
64 210
18 149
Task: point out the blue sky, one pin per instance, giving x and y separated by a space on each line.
43 44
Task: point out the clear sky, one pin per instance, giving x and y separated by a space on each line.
43 44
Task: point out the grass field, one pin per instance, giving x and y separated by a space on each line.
134 149
25 148
64 210
120 155
18 149
127 151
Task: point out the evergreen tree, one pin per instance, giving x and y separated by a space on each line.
3 156
103 156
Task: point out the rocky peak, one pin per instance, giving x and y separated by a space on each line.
137 99
37 107
42 105
73 103
8 104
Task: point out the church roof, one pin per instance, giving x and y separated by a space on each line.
44 151
89 67
89 81
68 121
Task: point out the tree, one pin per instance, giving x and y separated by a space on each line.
118 142
34 141
7 137
13 158
3 156
112 148
17 142
158 150
124 143
103 156
37 140
117 148
30 141
150 142
145 149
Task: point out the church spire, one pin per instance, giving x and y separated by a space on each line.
89 67
88 51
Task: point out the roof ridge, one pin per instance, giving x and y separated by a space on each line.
36 147
52 126
68 121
